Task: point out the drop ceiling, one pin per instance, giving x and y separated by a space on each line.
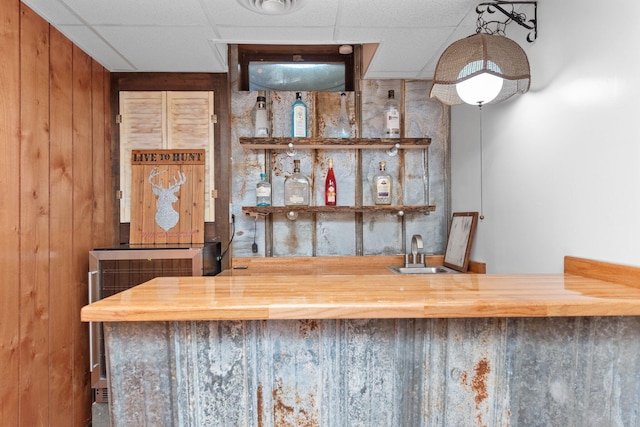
194 35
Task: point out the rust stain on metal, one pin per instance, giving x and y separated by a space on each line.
463 377
401 177
479 380
260 400
479 385
276 165
307 327
287 415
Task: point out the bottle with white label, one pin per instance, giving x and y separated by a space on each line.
297 188
391 117
261 124
299 128
263 191
344 127
382 186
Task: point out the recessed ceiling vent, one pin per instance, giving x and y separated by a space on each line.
272 7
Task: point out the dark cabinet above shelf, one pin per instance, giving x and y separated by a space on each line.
396 209
334 143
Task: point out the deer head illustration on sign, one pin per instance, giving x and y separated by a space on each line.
166 216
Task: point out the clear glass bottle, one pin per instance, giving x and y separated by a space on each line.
297 189
330 187
382 186
299 126
344 127
263 191
261 125
391 117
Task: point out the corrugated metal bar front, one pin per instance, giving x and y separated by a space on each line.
409 372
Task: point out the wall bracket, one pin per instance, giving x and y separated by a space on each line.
493 25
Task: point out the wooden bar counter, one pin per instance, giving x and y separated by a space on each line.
350 291
346 342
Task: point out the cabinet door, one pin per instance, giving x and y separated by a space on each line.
190 125
165 120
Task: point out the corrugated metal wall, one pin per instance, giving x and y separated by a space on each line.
410 372
340 234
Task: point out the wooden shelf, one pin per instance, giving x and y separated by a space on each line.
334 143
396 209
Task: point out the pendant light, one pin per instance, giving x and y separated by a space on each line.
486 67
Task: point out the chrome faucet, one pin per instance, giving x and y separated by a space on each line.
417 259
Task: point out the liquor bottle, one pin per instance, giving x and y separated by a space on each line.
382 186
297 188
263 191
330 187
344 127
261 125
391 117
299 126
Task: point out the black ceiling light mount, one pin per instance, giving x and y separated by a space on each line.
487 25
486 67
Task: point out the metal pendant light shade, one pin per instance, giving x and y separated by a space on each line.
476 55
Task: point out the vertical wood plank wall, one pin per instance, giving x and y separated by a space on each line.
56 204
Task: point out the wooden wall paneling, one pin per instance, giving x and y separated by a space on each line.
10 212
186 206
61 277
191 205
111 164
138 178
148 213
34 220
197 213
100 164
82 221
52 119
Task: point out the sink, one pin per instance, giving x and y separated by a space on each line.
421 270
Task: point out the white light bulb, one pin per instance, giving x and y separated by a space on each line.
480 89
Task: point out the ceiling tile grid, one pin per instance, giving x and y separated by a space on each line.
193 35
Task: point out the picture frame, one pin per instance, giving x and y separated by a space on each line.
461 232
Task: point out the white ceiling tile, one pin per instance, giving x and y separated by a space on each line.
403 13
55 10
180 49
139 12
193 35
403 51
97 47
281 35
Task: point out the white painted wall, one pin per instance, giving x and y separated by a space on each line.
562 162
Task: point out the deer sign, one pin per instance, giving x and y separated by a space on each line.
166 216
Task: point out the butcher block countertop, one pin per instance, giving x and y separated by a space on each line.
345 289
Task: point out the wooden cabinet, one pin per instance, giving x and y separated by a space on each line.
166 120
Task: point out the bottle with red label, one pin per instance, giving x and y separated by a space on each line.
330 187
